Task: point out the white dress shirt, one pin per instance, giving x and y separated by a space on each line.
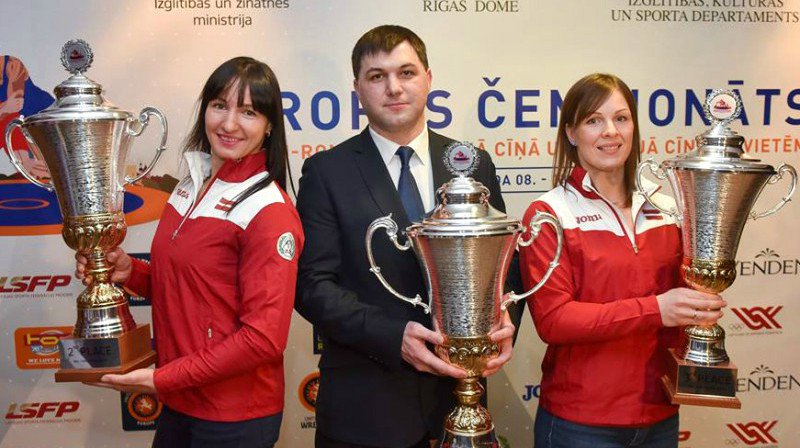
420 163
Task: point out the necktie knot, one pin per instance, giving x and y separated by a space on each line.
407 187
405 153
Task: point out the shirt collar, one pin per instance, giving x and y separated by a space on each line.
388 148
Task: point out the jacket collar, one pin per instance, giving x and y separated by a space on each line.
231 171
580 180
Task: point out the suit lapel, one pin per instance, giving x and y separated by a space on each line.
378 181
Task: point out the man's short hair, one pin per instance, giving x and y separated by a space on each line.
383 39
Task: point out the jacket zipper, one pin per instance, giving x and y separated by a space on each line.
194 205
622 225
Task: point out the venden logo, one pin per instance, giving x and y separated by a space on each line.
764 379
768 262
37 347
753 433
49 412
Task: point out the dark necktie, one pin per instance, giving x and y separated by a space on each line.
407 187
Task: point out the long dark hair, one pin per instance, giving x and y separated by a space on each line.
265 94
582 99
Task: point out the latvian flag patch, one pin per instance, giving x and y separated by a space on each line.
225 205
652 214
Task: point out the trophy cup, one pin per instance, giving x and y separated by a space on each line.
715 189
84 141
464 247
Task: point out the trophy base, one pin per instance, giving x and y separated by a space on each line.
695 384
88 359
457 440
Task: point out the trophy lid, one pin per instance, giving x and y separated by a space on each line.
720 148
78 97
464 209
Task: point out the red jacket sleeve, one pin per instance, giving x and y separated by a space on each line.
561 318
267 277
139 281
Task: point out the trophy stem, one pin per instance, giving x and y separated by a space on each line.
469 418
102 307
705 344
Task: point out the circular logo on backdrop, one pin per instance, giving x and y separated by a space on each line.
26 209
308 391
144 407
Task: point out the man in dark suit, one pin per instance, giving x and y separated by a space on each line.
380 383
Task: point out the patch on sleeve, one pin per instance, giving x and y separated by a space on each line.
286 246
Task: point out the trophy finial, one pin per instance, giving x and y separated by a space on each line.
722 106
461 158
76 56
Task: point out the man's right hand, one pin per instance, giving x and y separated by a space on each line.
119 260
416 353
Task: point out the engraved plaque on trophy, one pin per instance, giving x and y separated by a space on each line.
84 140
715 189
464 248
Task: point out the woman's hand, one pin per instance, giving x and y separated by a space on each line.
684 306
140 380
119 260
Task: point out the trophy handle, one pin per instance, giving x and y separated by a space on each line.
391 231
17 123
784 168
137 129
536 227
659 173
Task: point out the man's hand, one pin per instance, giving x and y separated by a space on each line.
503 336
416 353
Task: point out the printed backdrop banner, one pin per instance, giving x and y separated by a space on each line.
500 71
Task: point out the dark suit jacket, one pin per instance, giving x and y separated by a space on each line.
368 395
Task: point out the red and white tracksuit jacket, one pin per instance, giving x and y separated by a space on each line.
222 287
598 311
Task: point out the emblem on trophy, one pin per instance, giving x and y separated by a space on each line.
464 248
84 140
716 188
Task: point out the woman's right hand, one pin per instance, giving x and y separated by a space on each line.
119 260
684 306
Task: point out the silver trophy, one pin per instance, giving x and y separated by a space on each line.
715 189
85 141
464 247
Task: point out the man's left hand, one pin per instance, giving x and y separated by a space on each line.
503 336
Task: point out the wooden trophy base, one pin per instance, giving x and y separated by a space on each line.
88 359
694 384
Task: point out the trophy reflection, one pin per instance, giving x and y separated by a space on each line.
464 248
715 189
84 141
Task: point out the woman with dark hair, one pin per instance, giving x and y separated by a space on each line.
222 272
614 304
